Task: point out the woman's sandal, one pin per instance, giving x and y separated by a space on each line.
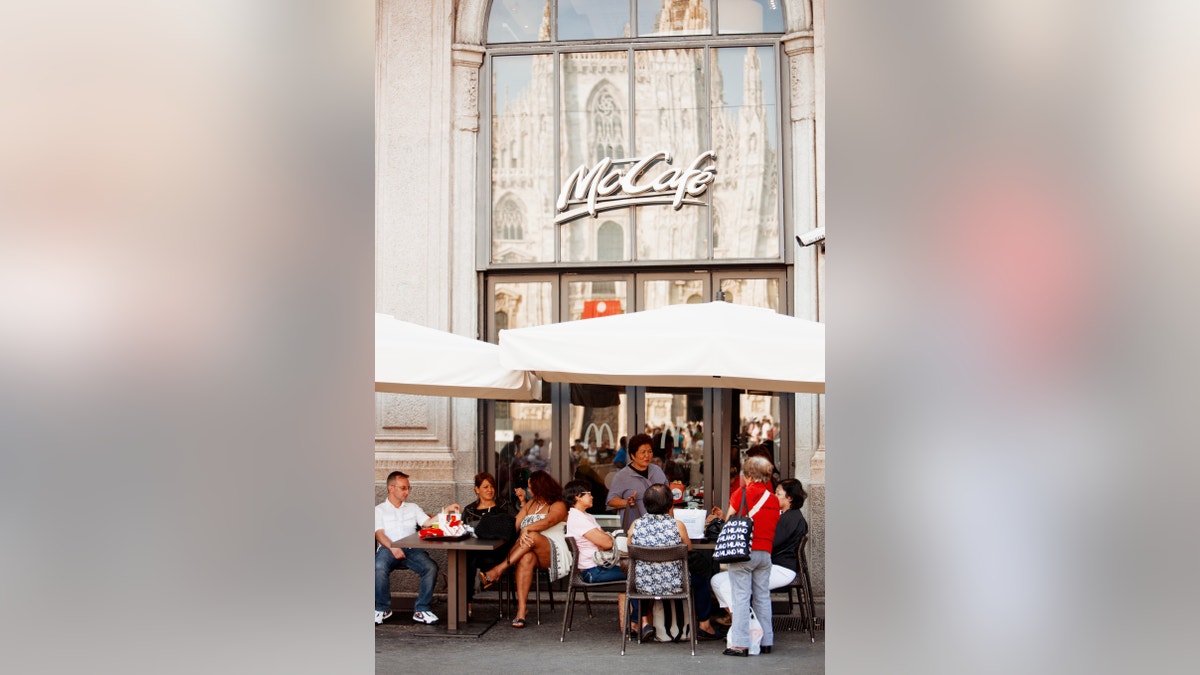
484 582
730 651
518 622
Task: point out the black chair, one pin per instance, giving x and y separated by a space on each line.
659 554
802 585
575 583
508 582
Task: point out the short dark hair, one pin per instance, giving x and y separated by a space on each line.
394 475
573 489
794 491
638 441
658 499
544 487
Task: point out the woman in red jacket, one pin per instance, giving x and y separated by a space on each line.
751 580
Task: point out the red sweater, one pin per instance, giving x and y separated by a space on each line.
765 520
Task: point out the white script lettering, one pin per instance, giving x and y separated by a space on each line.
602 188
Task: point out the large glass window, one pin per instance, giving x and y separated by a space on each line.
570 123
522 137
746 199
595 112
670 117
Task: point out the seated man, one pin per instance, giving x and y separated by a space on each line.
395 520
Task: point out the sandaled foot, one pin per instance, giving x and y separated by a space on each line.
484 582
518 622
736 652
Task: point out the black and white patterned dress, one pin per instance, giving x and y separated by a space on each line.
657 529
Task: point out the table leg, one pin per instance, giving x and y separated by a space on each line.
456 605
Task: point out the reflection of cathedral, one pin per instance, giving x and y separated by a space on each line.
672 115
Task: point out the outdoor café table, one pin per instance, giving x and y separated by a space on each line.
456 575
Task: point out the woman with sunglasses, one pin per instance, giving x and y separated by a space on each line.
589 539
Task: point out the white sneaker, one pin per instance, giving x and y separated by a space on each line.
425 617
380 616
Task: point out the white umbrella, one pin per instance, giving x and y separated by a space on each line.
713 344
413 359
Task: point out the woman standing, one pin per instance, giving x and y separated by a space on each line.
750 581
540 543
491 519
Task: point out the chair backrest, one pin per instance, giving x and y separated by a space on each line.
658 554
800 563
571 546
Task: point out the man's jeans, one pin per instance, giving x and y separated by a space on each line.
415 559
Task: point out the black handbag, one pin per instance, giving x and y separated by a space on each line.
733 544
499 524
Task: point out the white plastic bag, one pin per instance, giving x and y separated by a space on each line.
756 635
451 524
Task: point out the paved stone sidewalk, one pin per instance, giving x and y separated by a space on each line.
592 644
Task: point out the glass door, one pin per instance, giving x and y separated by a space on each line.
599 415
522 432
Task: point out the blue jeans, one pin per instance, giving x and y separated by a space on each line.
750 583
415 559
597 574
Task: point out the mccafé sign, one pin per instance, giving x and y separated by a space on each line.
603 187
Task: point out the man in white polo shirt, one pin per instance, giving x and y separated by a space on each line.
394 520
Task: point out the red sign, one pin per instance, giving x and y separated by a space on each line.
595 308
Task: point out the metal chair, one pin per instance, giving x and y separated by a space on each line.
576 583
659 554
508 582
802 585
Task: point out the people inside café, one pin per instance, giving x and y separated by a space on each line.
750 581
658 527
629 485
540 542
491 518
395 519
621 458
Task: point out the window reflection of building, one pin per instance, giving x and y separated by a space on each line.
677 109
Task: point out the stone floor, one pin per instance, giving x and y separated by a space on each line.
592 643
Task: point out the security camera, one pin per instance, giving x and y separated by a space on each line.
811 237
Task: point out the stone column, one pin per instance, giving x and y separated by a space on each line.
810 442
465 192
413 278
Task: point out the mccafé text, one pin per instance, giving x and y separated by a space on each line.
604 187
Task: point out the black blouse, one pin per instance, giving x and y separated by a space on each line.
791 529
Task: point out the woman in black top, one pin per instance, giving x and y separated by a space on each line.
491 520
791 527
